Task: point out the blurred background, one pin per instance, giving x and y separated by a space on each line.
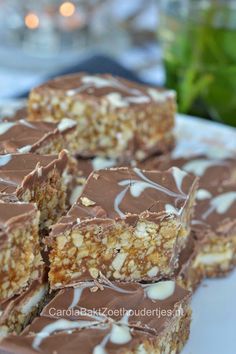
188 45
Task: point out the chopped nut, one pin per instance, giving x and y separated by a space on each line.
116 275
86 201
77 239
94 289
141 230
94 272
61 241
118 261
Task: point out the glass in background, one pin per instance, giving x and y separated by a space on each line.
199 52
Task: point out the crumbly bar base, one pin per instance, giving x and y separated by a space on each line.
105 130
20 259
54 145
171 341
25 312
190 278
216 257
121 252
50 197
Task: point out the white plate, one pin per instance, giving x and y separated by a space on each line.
213 329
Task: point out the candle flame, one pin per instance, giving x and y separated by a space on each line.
31 20
67 9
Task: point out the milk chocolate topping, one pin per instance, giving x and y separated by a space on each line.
216 197
100 338
123 193
119 91
130 302
24 136
13 213
19 171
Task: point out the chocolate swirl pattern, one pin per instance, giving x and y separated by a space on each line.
97 332
214 224
137 187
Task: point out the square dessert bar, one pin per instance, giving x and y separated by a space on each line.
116 118
41 179
128 224
22 136
139 319
20 258
19 310
214 222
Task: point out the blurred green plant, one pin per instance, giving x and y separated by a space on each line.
200 61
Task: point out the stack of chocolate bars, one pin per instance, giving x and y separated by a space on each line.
104 234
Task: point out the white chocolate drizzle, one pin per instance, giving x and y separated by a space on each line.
160 96
198 167
137 187
59 325
119 334
65 124
203 194
76 297
24 149
100 163
100 82
78 292
221 204
6 126
5 159
109 284
179 176
118 201
27 124
161 290
117 99
170 209
138 100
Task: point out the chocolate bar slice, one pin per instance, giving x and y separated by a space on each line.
128 224
20 258
152 318
214 222
22 136
116 118
17 312
41 179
